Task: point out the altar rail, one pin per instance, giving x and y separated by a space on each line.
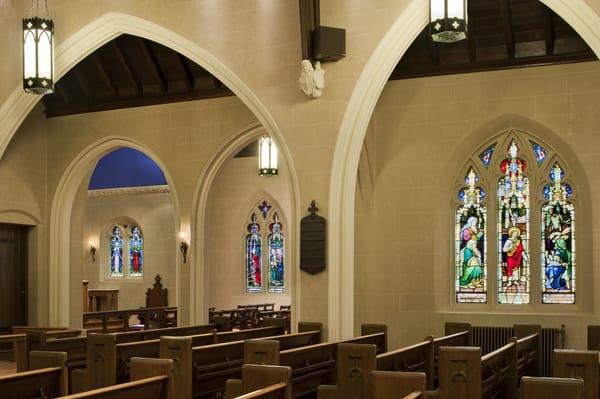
118 320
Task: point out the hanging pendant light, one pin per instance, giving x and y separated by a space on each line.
38 51
267 157
448 20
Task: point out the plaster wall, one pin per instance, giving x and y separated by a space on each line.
234 195
421 133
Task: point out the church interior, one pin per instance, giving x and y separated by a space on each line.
326 199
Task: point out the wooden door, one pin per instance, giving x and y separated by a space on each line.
13 276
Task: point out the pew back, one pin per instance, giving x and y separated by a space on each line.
545 388
49 379
391 384
582 365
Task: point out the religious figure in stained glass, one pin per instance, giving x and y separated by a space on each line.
486 155
116 252
136 253
253 257
276 256
558 242
513 230
471 245
539 151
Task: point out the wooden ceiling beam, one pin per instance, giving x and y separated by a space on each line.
126 65
188 76
121 102
508 30
82 83
102 72
154 65
549 31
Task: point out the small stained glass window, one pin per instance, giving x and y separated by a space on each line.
276 256
136 253
558 242
116 252
471 244
253 257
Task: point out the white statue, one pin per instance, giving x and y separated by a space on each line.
312 80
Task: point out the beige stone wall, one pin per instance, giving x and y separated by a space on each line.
234 195
91 221
422 132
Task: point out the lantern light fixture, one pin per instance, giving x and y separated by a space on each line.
448 20
267 157
38 51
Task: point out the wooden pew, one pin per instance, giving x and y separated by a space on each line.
207 368
118 320
465 374
547 388
275 391
582 365
395 384
257 377
49 379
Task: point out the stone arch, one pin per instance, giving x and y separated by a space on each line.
352 132
198 281
60 221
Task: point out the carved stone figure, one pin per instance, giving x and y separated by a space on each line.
312 79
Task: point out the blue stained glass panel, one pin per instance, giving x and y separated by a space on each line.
540 152
253 257
486 155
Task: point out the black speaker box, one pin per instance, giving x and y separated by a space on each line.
329 44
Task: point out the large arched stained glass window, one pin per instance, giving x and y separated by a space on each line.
276 256
558 241
136 253
253 257
471 243
116 253
513 230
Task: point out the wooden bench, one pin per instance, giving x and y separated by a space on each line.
548 388
118 320
108 361
275 391
48 379
396 384
465 374
258 377
582 365
204 370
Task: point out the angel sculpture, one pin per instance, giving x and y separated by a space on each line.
312 80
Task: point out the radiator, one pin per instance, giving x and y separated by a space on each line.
492 338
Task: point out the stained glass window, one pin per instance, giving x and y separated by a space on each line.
513 230
136 253
253 257
558 241
471 244
116 253
540 152
265 208
276 256
486 155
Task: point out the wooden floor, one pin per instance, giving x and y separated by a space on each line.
7 368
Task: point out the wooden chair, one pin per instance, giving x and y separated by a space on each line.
394 384
578 364
547 388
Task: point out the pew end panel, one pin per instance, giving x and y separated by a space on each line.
45 359
101 361
260 376
258 351
393 384
233 388
582 365
460 373
143 368
180 350
354 363
546 388
327 392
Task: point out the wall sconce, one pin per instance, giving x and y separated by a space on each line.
93 251
183 247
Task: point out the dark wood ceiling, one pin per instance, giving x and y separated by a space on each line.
130 71
502 34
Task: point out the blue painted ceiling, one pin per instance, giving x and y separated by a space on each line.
126 167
